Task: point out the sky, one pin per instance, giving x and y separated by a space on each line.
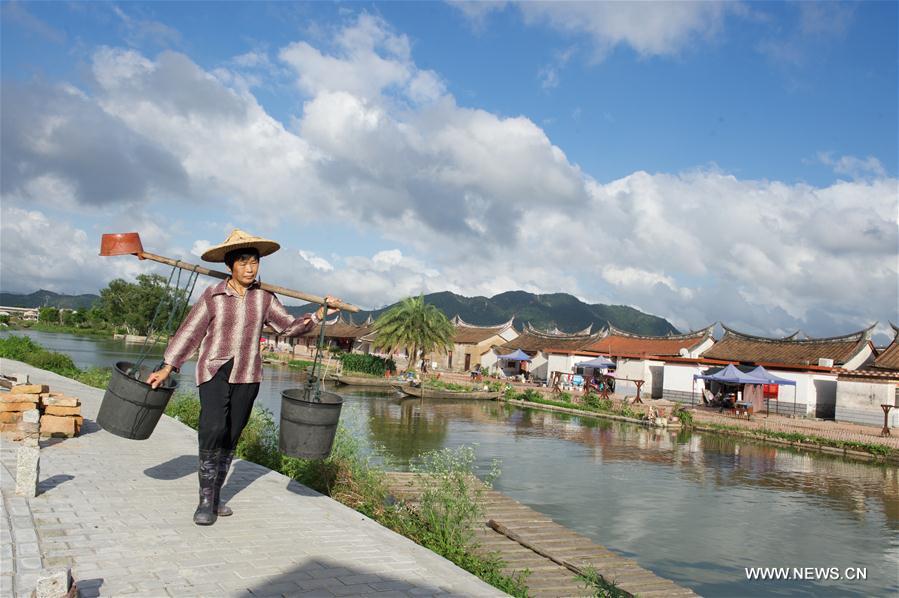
701 161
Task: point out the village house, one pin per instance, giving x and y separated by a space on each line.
471 343
341 332
810 362
553 351
861 392
642 358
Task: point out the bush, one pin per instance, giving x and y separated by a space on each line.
366 364
565 397
22 348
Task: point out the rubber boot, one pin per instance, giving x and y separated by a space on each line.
207 472
224 464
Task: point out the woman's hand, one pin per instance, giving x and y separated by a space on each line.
159 376
331 310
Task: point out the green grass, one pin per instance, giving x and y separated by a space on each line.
299 364
877 450
22 348
601 587
592 404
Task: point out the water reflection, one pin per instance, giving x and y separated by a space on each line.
692 507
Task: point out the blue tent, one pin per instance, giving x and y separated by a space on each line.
730 375
770 378
516 355
600 363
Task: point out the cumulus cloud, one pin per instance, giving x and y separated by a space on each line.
476 203
649 28
851 166
41 253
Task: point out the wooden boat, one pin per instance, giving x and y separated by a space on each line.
437 393
365 381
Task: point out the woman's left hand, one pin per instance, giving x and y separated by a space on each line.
331 310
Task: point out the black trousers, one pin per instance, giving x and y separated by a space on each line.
224 410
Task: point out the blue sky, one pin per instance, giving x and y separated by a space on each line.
701 161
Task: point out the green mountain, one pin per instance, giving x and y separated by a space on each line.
554 310
48 298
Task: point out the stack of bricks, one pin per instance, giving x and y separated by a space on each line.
60 415
20 398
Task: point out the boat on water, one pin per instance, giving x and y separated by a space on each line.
440 393
365 381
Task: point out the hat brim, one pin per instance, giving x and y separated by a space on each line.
217 254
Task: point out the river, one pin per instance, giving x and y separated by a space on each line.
694 508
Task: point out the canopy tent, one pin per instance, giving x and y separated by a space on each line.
600 363
516 355
730 375
770 378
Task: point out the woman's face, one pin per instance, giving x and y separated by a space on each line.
245 269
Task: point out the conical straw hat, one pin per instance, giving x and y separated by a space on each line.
239 239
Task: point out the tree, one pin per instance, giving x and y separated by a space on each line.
416 325
132 306
49 315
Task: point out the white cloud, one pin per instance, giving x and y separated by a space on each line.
649 28
471 202
856 168
199 247
319 263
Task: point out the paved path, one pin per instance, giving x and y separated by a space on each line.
119 513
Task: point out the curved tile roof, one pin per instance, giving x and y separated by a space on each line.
738 346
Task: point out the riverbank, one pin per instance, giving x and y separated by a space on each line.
119 513
852 441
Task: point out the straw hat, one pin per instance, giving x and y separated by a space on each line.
238 239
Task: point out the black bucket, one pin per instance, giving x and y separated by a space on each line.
130 407
308 426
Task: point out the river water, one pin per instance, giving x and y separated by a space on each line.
694 508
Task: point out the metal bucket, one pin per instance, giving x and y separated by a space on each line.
308 426
131 408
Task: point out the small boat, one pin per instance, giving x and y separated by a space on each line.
438 393
364 381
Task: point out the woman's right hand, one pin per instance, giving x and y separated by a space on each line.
159 376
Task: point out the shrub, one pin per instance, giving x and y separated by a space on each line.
565 397
366 363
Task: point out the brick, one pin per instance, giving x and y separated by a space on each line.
60 410
29 389
52 425
6 407
61 401
10 417
20 398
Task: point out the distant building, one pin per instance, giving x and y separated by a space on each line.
640 357
471 342
553 351
813 363
861 392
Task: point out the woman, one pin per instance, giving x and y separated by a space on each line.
225 324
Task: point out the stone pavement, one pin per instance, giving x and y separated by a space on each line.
119 513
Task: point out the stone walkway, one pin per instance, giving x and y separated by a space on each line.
119 513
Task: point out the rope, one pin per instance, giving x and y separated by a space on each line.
180 300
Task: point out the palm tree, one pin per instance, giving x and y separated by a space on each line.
416 325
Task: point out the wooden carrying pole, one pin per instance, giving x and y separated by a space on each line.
268 287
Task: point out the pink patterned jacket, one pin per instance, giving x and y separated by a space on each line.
222 324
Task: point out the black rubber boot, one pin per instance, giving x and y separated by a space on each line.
224 464
207 472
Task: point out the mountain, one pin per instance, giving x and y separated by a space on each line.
48 298
554 310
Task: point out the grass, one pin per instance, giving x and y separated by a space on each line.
877 450
600 586
48 327
592 404
299 364
22 348
441 522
